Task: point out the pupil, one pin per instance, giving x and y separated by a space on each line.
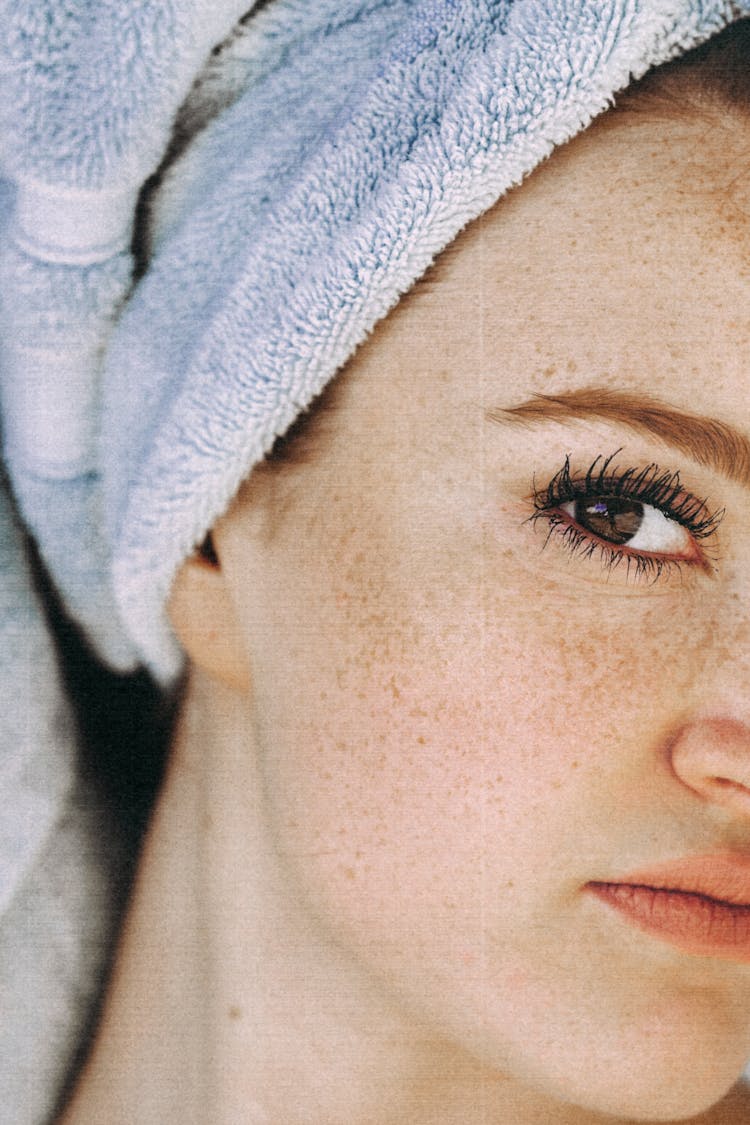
609 517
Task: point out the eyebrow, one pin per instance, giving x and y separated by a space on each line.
708 442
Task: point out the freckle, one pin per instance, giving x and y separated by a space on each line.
420 740
350 874
510 883
572 366
235 1013
574 765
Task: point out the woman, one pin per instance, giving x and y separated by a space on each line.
456 823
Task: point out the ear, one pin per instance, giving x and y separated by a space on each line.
204 619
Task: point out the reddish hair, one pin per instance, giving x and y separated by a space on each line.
710 78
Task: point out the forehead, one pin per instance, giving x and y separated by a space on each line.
619 260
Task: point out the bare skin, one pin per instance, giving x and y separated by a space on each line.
413 733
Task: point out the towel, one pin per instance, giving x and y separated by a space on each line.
58 855
65 858
88 93
357 139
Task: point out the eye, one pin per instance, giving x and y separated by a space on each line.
623 522
642 518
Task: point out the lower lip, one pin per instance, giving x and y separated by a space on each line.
691 922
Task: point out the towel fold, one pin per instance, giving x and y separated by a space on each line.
88 95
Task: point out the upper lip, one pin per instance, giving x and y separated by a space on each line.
723 876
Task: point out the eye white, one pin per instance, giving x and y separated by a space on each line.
656 534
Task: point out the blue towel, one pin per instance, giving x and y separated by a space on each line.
359 137
56 904
88 94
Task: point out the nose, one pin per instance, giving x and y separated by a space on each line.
710 751
711 756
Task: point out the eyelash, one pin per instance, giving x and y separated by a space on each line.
660 489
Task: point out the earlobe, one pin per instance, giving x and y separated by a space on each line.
205 622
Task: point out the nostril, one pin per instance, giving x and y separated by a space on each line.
711 756
729 793
728 783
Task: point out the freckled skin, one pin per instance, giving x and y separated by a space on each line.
492 730
454 727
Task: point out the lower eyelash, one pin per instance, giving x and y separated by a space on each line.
648 568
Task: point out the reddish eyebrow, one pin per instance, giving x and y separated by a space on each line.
717 445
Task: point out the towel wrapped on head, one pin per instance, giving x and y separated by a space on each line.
356 138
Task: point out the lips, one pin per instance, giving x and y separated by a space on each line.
699 904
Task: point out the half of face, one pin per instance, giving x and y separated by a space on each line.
499 634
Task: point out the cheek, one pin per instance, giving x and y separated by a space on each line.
421 759
448 757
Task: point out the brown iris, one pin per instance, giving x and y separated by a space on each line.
613 518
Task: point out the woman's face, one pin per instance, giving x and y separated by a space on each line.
467 715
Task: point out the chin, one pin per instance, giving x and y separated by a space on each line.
670 1058
667 1072
672 1100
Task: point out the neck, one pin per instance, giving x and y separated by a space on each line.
229 1004
226 1004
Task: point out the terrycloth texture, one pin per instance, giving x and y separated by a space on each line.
363 136
55 856
88 94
